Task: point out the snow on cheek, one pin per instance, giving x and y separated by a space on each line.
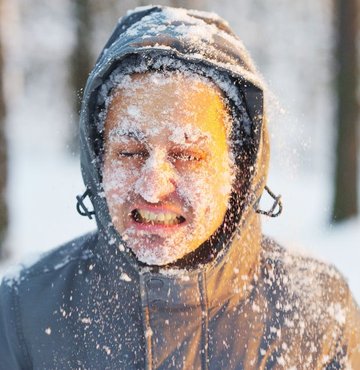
193 188
115 183
204 190
134 111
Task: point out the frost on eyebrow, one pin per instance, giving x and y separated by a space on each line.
180 133
188 134
125 130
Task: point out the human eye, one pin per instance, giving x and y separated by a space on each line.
134 154
130 150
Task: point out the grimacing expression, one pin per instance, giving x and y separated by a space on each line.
168 170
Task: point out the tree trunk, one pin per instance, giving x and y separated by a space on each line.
188 4
347 146
3 155
80 61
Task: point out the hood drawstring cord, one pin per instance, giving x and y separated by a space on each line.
277 203
81 207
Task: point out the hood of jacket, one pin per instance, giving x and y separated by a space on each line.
149 37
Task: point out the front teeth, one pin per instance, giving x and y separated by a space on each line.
165 218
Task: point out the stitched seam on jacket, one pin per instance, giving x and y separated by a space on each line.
19 332
148 337
204 322
146 325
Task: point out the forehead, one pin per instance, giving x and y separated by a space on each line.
151 103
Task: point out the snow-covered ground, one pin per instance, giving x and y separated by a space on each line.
291 45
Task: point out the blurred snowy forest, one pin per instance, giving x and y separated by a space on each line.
47 49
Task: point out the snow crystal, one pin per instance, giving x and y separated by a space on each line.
63 312
112 241
289 323
64 262
133 111
280 360
148 333
337 312
125 277
86 320
325 359
107 350
182 275
273 329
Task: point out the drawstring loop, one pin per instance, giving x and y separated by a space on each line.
277 204
81 207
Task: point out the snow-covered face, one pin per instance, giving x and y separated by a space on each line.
167 170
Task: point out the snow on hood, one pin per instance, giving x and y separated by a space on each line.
156 37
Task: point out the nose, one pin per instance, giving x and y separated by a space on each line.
157 179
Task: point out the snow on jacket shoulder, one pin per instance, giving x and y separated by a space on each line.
65 312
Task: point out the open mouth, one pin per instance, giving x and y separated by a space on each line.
156 218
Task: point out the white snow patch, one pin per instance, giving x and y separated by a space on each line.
86 320
107 350
337 312
125 277
148 333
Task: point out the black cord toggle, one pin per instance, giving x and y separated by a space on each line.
81 207
277 203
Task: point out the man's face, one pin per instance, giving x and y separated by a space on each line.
167 170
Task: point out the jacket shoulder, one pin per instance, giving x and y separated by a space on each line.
304 277
54 260
21 298
315 302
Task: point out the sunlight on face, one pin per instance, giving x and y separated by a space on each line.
167 169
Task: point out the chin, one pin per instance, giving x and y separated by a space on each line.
156 252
